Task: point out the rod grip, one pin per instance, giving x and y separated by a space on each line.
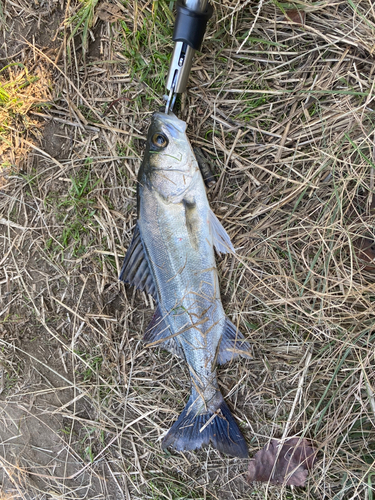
190 25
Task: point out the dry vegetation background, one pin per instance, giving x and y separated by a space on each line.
285 112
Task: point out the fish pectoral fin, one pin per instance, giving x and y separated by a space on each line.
158 334
232 344
198 426
135 268
220 237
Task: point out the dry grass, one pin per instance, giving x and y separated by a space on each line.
286 113
21 91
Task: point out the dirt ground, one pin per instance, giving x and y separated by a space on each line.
284 111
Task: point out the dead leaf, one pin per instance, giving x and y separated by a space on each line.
296 16
109 12
289 465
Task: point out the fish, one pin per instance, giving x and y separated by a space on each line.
172 258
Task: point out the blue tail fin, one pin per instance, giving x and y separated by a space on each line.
217 426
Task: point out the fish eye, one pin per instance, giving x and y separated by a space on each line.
160 140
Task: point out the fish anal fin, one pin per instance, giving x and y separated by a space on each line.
232 344
158 334
220 237
197 427
135 268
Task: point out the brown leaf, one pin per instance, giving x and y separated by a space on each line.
296 16
289 465
109 12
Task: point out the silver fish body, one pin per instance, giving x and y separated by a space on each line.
172 257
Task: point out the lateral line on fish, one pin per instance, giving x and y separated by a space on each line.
213 285
194 346
179 271
202 296
198 316
202 322
199 294
196 386
210 328
164 339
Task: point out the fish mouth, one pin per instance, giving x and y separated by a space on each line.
174 125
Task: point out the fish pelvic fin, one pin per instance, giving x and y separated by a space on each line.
198 426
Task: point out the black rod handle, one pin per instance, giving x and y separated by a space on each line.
190 25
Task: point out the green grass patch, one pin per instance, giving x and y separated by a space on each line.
148 45
76 211
81 23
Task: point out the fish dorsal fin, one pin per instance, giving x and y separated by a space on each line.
232 344
158 334
135 269
220 237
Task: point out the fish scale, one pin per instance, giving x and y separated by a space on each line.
172 257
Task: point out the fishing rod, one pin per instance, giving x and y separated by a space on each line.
190 26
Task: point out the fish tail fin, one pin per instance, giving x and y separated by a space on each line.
197 427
